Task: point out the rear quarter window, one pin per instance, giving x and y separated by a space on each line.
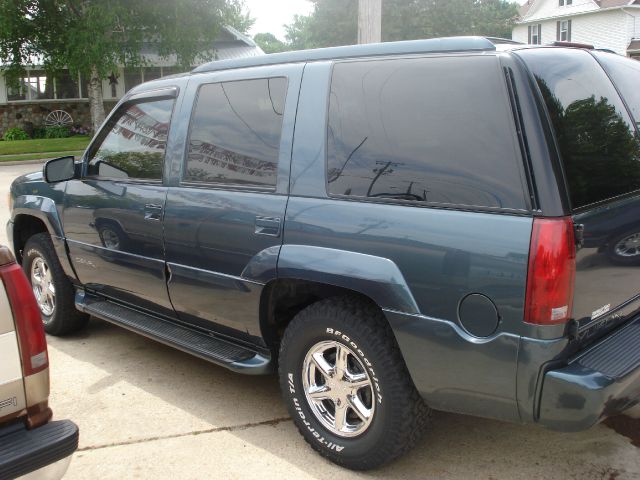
596 136
435 131
625 74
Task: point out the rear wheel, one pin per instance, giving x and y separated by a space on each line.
53 291
346 384
625 249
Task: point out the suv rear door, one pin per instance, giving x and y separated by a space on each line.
599 149
226 203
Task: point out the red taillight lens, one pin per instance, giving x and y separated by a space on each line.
33 344
552 271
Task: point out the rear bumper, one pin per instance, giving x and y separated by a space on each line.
45 449
598 383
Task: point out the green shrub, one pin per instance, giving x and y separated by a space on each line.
57 132
39 132
16 134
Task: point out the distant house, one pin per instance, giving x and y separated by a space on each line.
38 93
610 24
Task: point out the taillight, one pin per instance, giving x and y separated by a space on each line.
552 271
33 344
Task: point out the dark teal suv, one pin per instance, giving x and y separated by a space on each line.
450 224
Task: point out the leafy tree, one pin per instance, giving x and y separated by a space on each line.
269 43
94 37
334 22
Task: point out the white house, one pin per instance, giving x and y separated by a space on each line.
610 24
39 93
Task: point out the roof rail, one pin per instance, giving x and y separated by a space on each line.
571 44
503 41
433 45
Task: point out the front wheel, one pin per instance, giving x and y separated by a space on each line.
53 291
346 384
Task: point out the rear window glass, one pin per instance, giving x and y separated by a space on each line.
625 74
596 137
424 130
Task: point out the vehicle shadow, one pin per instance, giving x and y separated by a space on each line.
122 388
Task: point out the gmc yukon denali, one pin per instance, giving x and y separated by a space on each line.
448 224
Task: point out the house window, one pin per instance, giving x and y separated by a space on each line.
40 85
535 34
562 3
564 31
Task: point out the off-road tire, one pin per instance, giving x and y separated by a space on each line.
65 318
400 415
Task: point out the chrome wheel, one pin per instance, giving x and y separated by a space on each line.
628 246
338 389
42 284
110 239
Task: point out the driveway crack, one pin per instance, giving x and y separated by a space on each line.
231 428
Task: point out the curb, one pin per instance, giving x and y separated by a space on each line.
23 162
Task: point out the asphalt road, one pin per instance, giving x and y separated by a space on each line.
148 411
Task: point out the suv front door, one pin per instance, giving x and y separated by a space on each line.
227 199
113 214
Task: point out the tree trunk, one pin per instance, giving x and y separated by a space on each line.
96 102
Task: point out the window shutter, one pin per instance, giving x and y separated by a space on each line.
558 31
529 41
539 34
568 30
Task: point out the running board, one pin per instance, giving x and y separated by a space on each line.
232 356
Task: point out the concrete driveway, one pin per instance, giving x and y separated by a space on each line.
148 411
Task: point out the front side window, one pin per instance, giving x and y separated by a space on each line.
235 132
598 144
134 144
425 130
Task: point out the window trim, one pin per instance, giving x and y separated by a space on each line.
526 211
170 93
566 31
535 34
248 187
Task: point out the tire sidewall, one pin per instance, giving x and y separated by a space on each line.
620 260
30 254
291 372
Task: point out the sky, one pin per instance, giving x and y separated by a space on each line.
271 15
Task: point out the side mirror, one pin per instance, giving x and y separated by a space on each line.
59 170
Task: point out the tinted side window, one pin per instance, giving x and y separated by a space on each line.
134 143
625 73
235 132
436 130
597 140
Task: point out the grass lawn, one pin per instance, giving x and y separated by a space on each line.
38 156
44 145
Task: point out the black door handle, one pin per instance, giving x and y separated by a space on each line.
268 226
153 212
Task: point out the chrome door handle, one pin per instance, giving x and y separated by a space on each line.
153 212
268 226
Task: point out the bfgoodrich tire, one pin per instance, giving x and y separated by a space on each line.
346 385
52 288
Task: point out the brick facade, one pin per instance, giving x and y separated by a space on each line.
27 115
